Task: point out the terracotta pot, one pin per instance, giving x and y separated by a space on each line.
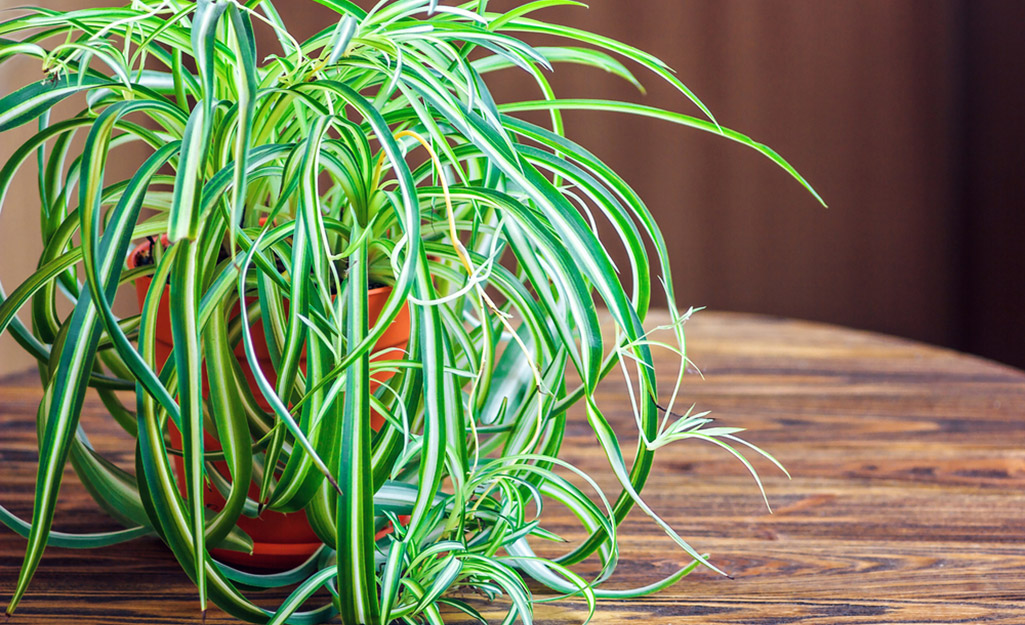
281 541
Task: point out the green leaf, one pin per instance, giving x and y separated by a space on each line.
204 36
656 113
359 602
26 104
184 218
247 83
184 303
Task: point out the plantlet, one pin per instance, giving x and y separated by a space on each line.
290 184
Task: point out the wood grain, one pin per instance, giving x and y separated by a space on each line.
906 503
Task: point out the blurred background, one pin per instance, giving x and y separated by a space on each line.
905 115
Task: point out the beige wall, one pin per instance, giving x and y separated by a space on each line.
19 231
19 216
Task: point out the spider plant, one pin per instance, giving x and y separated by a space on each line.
288 182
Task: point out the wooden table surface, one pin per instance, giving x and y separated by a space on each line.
906 505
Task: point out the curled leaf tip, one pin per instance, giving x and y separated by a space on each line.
333 483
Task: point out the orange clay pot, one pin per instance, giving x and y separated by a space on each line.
280 541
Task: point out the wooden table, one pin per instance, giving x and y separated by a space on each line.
906 506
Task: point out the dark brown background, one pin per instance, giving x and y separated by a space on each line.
904 114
